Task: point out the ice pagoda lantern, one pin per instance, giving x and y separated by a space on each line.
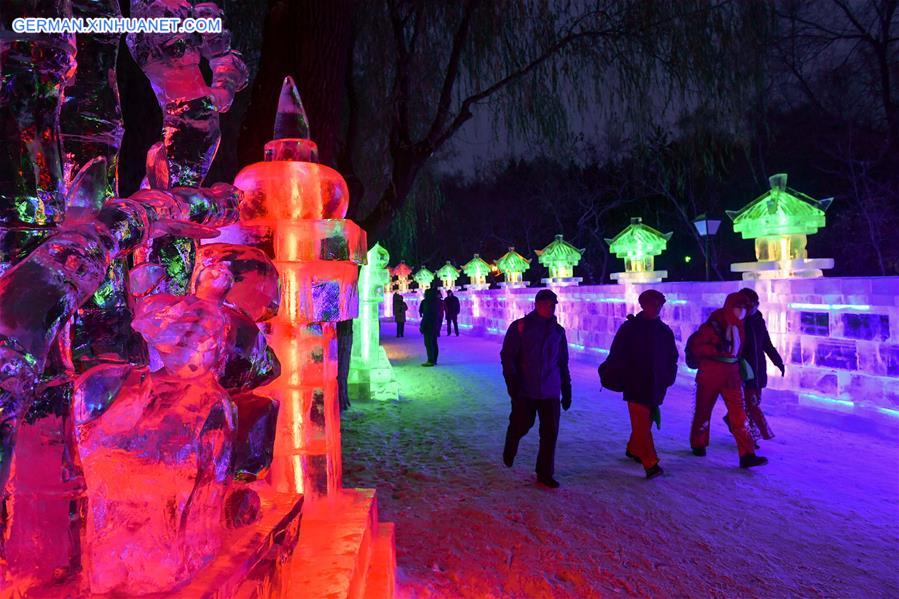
512 265
477 270
780 221
448 275
638 245
560 257
294 208
371 375
402 271
424 278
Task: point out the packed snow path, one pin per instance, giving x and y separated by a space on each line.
820 520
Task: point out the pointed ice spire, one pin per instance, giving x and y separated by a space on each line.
291 121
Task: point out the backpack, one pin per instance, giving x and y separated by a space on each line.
612 375
690 357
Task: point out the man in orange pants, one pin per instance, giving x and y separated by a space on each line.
716 345
645 357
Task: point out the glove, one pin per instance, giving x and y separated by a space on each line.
783 370
566 403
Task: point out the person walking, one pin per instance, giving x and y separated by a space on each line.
758 345
643 360
717 346
399 314
451 304
431 312
535 367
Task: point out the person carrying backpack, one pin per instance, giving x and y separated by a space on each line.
642 363
535 368
716 348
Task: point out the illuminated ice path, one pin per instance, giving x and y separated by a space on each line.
820 520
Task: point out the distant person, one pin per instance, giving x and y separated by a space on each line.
399 314
716 348
642 363
451 304
758 345
535 366
431 312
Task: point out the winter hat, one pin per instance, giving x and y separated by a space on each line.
651 296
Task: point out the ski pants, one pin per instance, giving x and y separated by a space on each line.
640 444
714 379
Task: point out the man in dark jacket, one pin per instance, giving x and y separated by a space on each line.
451 305
757 345
399 314
535 366
645 355
431 312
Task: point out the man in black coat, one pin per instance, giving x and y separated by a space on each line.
431 312
535 367
644 355
451 305
756 346
399 314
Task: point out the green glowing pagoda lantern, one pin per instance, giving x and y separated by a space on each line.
513 265
424 278
477 270
402 271
371 375
780 221
448 274
638 245
560 257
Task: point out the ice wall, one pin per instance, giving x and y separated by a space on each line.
838 336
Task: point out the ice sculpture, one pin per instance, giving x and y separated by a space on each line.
638 245
371 375
402 271
190 107
560 257
513 265
170 434
476 270
91 113
424 278
293 209
33 72
779 221
448 274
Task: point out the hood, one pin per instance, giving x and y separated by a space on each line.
734 300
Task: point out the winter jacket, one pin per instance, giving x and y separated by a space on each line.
535 359
452 306
646 354
758 343
431 312
399 311
712 340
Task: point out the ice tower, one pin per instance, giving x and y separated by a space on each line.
560 257
371 375
780 221
638 245
424 278
295 208
402 271
477 270
448 275
513 265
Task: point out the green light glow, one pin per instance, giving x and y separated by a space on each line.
424 278
477 270
448 274
373 279
780 211
560 257
637 245
512 265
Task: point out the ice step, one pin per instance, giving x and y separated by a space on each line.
337 539
380 582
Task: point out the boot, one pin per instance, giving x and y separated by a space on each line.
699 451
628 453
750 460
548 481
654 472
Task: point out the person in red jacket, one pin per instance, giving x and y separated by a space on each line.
717 345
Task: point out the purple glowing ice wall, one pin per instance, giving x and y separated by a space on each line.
838 336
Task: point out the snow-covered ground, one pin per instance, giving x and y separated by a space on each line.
821 520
